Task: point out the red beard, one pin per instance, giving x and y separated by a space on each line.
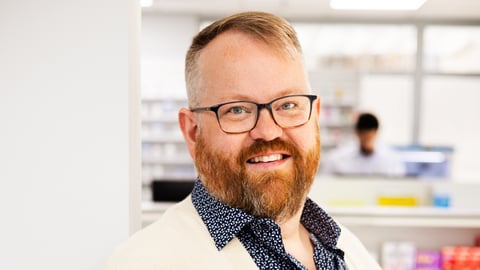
276 195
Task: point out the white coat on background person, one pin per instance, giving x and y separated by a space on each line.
365 156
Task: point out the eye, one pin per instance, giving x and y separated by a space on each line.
237 110
288 106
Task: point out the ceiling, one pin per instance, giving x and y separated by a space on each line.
437 10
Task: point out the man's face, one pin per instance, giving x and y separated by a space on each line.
366 139
266 171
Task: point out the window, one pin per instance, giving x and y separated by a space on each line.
358 46
361 67
452 49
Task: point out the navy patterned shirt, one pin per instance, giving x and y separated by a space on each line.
261 237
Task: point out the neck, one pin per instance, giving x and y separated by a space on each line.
291 226
296 240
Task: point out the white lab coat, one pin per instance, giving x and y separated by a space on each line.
347 160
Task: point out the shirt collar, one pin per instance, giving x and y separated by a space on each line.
224 222
322 225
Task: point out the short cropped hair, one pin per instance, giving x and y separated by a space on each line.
367 121
265 27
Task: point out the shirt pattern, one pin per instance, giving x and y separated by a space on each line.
261 237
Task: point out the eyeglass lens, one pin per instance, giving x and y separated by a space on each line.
290 111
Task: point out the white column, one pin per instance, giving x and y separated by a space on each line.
68 139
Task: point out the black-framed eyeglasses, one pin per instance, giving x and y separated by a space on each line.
242 116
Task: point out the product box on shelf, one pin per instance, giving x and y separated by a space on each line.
405 256
427 260
398 256
460 258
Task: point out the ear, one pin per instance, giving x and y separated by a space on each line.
316 107
189 127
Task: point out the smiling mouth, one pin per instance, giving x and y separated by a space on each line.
265 159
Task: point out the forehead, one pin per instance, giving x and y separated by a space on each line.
367 133
236 66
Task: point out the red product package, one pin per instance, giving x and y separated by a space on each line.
460 258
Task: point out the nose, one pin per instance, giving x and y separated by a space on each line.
266 128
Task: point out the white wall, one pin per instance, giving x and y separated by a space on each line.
450 116
65 142
390 97
165 40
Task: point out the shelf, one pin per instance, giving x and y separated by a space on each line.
405 211
153 120
407 216
336 104
451 74
172 139
152 211
336 125
165 99
155 207
168 161
427 217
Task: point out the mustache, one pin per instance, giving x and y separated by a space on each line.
261 146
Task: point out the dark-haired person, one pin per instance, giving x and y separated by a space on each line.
252 131
366 156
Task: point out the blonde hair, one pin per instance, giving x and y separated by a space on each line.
270 29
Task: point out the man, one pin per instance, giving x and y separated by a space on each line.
365 157
252 130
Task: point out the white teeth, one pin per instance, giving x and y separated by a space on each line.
267 158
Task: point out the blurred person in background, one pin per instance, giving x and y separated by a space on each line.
366 156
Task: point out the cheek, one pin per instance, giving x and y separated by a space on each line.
304 137
228 147
221 142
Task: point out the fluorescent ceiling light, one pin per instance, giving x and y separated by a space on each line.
376 4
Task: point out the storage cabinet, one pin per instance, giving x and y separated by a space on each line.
164 153
338 91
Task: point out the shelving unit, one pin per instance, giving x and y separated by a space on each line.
336 124
420 217
164 154
425 226
338 91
